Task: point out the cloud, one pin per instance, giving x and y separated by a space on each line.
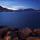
16 4
11 5
14 7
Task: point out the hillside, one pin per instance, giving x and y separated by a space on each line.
2 9
5 9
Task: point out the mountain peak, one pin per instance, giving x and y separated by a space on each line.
29 9
1 7
5 9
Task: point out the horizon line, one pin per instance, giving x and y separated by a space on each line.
19 8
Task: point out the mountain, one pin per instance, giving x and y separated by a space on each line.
29 9
5 9
20 10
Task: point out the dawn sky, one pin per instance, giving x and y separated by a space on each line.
20 4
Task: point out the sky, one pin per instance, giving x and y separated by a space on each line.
20 4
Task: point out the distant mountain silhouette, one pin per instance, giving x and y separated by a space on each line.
5 9
20 10
29 9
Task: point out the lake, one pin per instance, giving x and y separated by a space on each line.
20 19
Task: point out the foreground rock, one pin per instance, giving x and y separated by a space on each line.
19 34
24 33
33 38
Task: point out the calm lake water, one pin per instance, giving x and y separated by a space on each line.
20 19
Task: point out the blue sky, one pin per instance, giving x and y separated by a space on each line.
20 4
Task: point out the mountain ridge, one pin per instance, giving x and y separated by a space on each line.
5 9
2 9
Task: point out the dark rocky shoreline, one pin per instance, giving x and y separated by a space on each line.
20 34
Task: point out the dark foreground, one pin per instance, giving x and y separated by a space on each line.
19 34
